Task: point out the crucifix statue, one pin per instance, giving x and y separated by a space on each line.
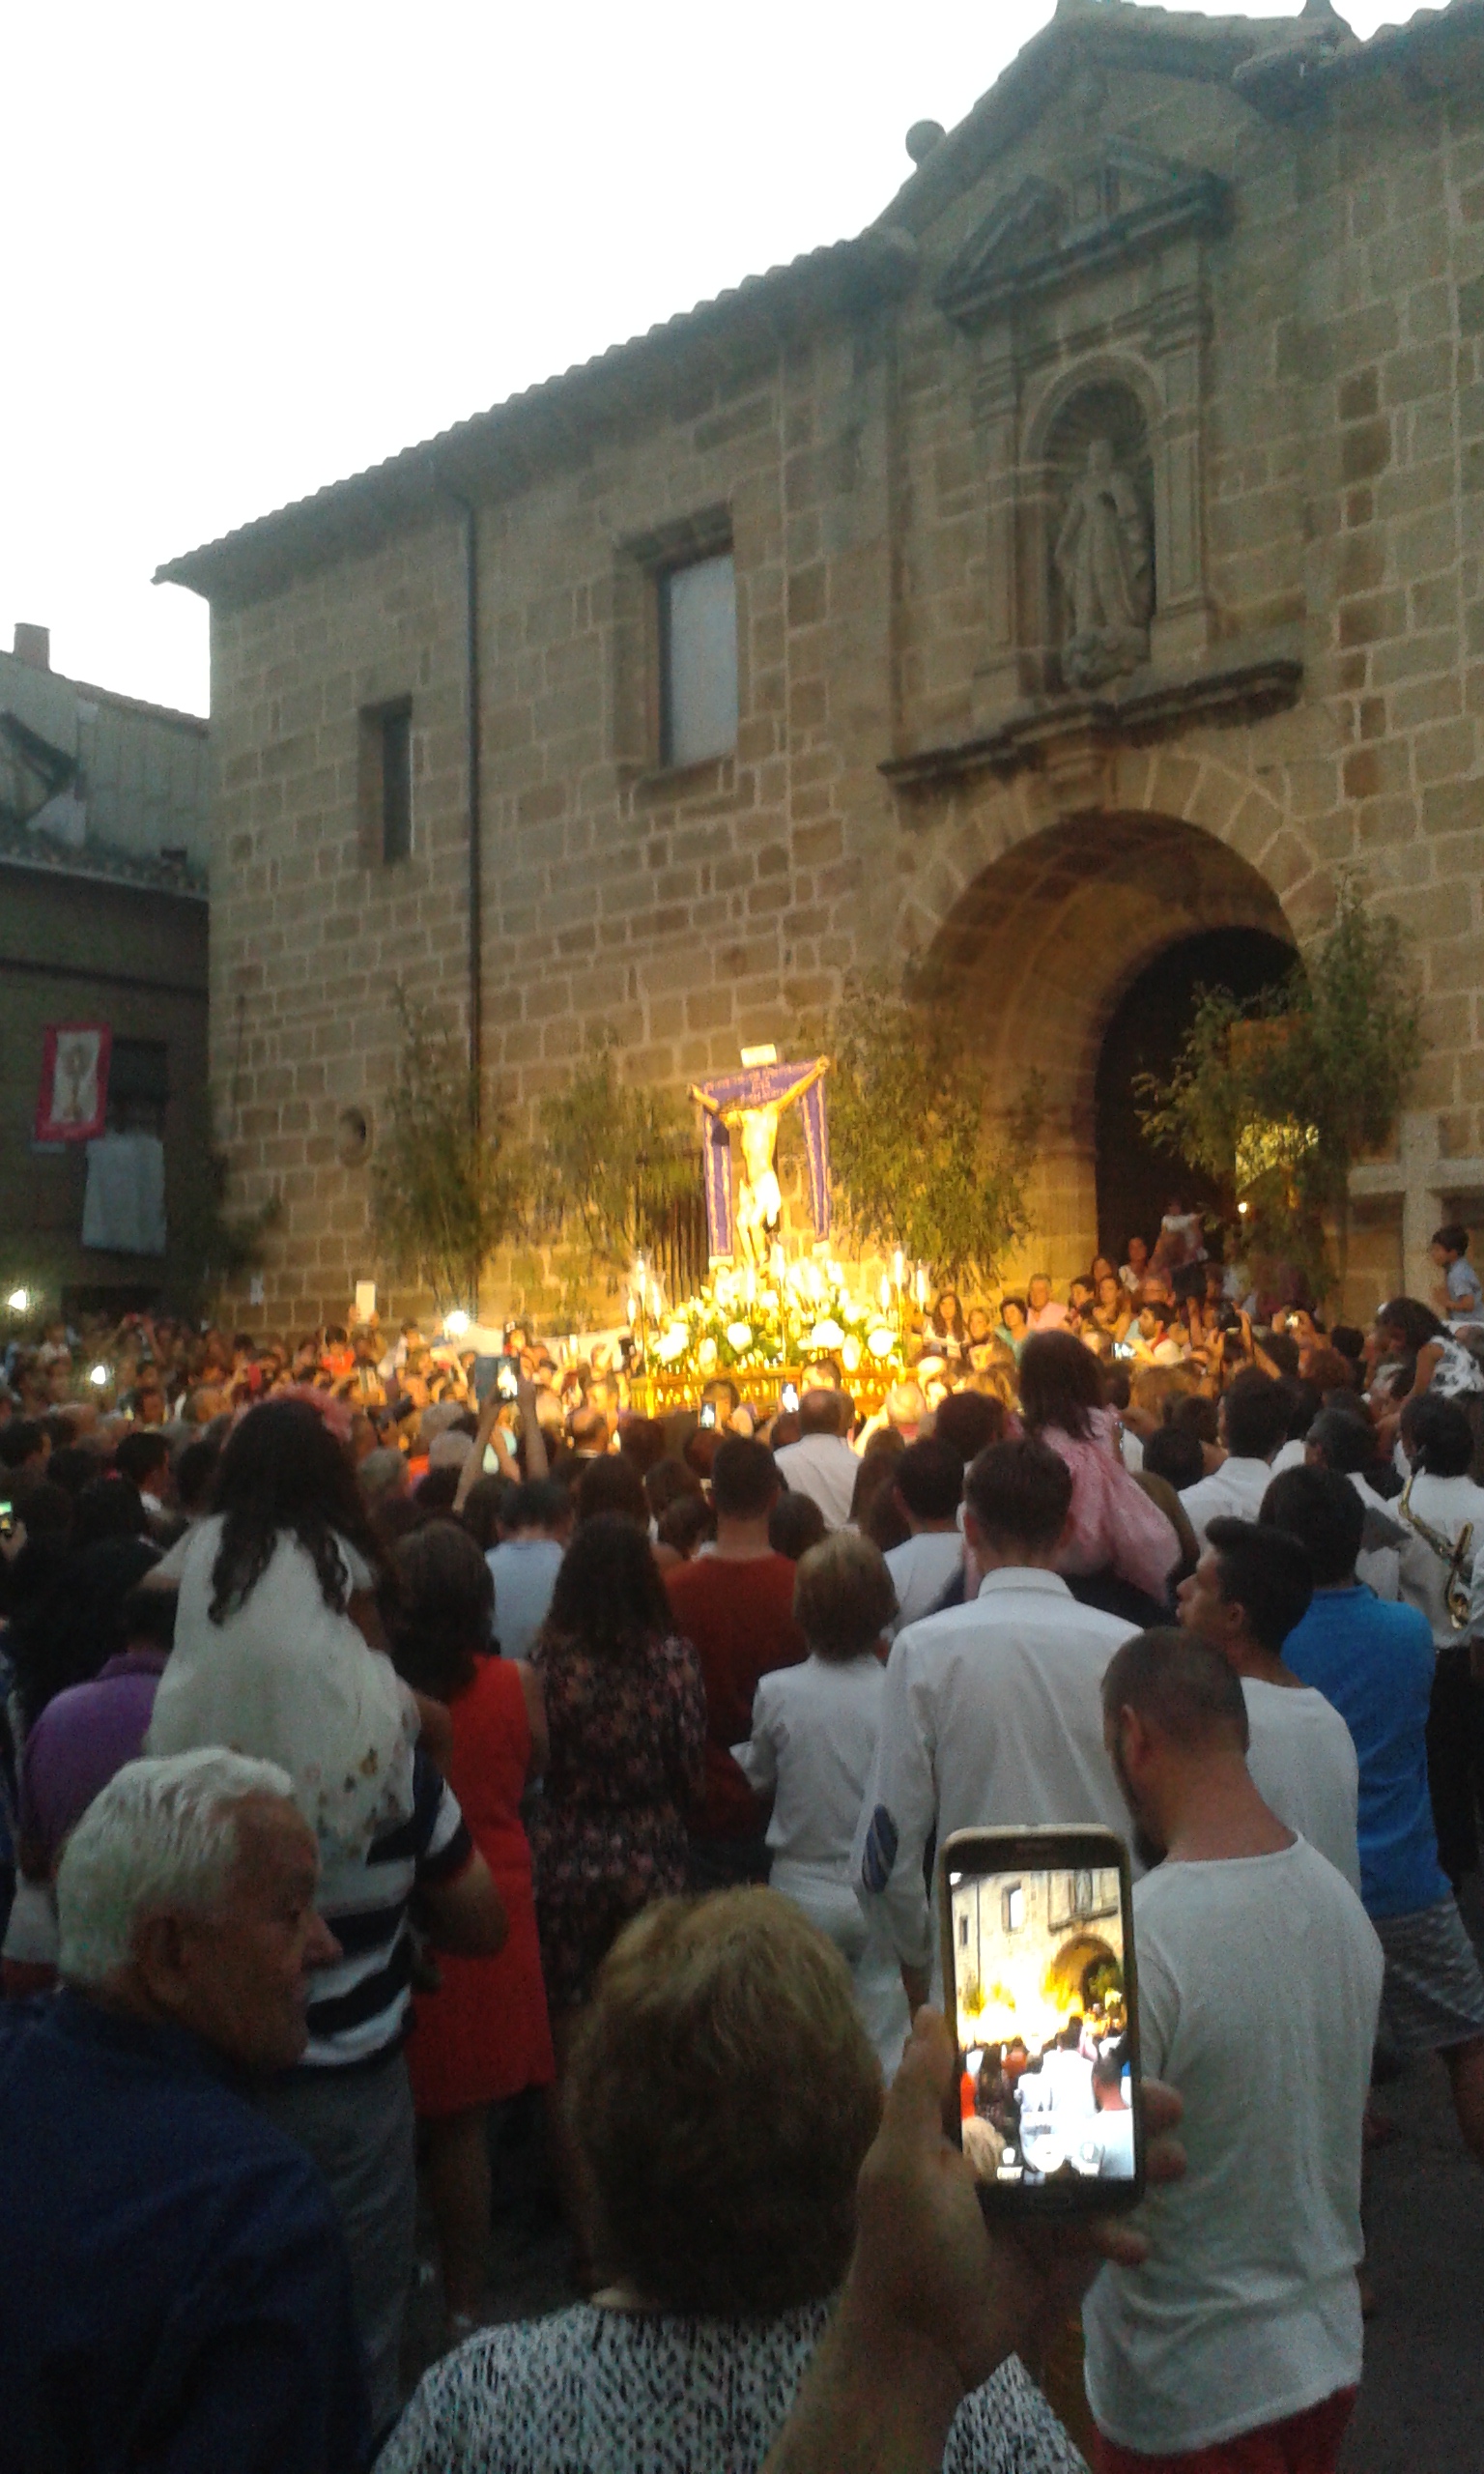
752 1103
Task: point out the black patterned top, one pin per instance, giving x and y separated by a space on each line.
589 2391
608 1833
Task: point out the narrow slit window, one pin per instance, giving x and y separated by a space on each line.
396 783
698 660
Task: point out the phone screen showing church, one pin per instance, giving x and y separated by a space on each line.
1047 2062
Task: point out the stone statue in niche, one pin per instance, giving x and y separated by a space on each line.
1104 558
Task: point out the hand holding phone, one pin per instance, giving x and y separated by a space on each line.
932 2271
1039 1981
708 1413
788 1396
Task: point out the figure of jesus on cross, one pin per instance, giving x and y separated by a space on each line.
753 1104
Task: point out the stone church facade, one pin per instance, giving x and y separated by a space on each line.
1106 530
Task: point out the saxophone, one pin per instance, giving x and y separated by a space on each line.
1457 1553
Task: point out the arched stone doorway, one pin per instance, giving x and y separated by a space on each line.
1081 1969
1134 1180
1040 950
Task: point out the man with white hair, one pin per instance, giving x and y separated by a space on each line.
176 2286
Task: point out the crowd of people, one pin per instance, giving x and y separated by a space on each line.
373 1752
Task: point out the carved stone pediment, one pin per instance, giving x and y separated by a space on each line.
1123 200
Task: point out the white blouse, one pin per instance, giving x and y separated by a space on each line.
812 1744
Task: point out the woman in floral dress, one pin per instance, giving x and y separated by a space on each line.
626 1716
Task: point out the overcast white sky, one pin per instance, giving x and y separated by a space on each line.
250 251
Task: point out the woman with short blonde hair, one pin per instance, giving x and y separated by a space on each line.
844 1598
723 2097
812 1750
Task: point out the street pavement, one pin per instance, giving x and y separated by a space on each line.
1421 2405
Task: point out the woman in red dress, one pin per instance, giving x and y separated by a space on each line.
482 2033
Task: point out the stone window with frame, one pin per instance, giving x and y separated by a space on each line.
697 648
386 781
676 692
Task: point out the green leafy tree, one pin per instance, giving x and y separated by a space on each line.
612 1156
918 1162
446 1192
1276 1098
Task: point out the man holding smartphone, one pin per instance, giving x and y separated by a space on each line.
1237 2343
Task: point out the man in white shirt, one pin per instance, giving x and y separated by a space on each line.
1042 1312
821 1464
992 1715
1253 1419
1342 1440
1259 1987
535 1522
927 1490
1250 1588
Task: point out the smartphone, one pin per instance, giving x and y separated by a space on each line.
1039 1987
1123 1348
708 1413
501 1375
6 1520
788 1396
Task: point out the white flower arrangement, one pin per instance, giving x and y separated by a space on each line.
751 1322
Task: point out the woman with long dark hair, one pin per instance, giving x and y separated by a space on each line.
626 1720
945 1321
1119 1549
1410 1334
273 1644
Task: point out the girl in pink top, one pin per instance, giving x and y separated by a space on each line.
1114 1527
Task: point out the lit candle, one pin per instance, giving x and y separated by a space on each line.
899 1266
777 1261
921 1284
885 1292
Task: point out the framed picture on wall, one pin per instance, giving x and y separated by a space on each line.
73 1105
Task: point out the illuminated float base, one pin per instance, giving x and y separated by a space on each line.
760 1331
655 1395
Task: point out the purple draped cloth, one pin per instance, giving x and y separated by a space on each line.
760 1086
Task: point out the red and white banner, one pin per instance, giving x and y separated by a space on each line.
73 1105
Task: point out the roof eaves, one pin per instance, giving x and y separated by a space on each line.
1409 44
97 862
196 723
351 513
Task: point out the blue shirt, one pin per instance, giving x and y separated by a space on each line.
1464 1295
1374 1663
175 2296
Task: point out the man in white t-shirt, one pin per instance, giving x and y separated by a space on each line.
535 1523
1253 1423
928 1488
821 1463
992 1715
1250 1588
1259 1987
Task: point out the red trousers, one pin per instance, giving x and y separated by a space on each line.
1307 2444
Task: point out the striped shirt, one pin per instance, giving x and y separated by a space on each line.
360 2006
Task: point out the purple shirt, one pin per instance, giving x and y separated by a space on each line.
78 1741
